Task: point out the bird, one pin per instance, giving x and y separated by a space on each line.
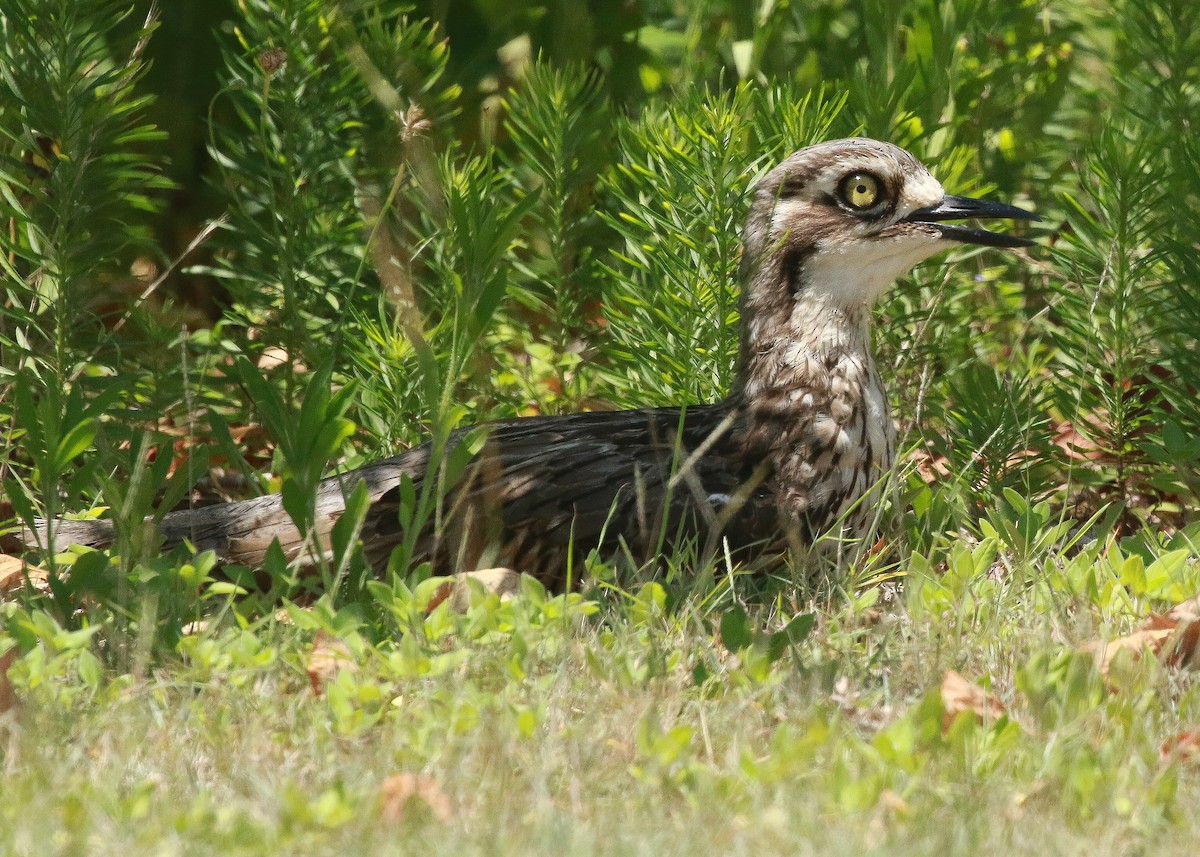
796 451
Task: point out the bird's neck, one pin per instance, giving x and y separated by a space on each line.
810 401
797 347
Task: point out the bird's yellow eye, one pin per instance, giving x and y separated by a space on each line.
860 190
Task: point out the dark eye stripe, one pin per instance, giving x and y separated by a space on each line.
792 187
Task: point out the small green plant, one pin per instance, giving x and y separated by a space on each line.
77 195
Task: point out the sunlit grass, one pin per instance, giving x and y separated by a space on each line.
539 726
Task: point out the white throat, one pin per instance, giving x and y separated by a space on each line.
856 273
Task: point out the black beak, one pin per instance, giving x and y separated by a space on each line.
962 207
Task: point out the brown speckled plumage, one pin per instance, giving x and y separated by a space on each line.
799 446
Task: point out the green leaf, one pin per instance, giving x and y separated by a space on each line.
735 629
793 633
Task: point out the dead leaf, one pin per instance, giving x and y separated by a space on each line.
930 466
329 656
398 792
1173 637
498 581
1184 747
893 803
1144 639
959 695
13 571
1186 611
1077 445
8 698
1184 648
274 356
439 595
503 582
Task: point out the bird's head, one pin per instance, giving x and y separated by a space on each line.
847 217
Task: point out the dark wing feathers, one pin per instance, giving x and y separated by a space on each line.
562 484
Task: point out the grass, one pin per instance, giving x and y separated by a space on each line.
560 726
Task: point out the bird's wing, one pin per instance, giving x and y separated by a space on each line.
542 489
